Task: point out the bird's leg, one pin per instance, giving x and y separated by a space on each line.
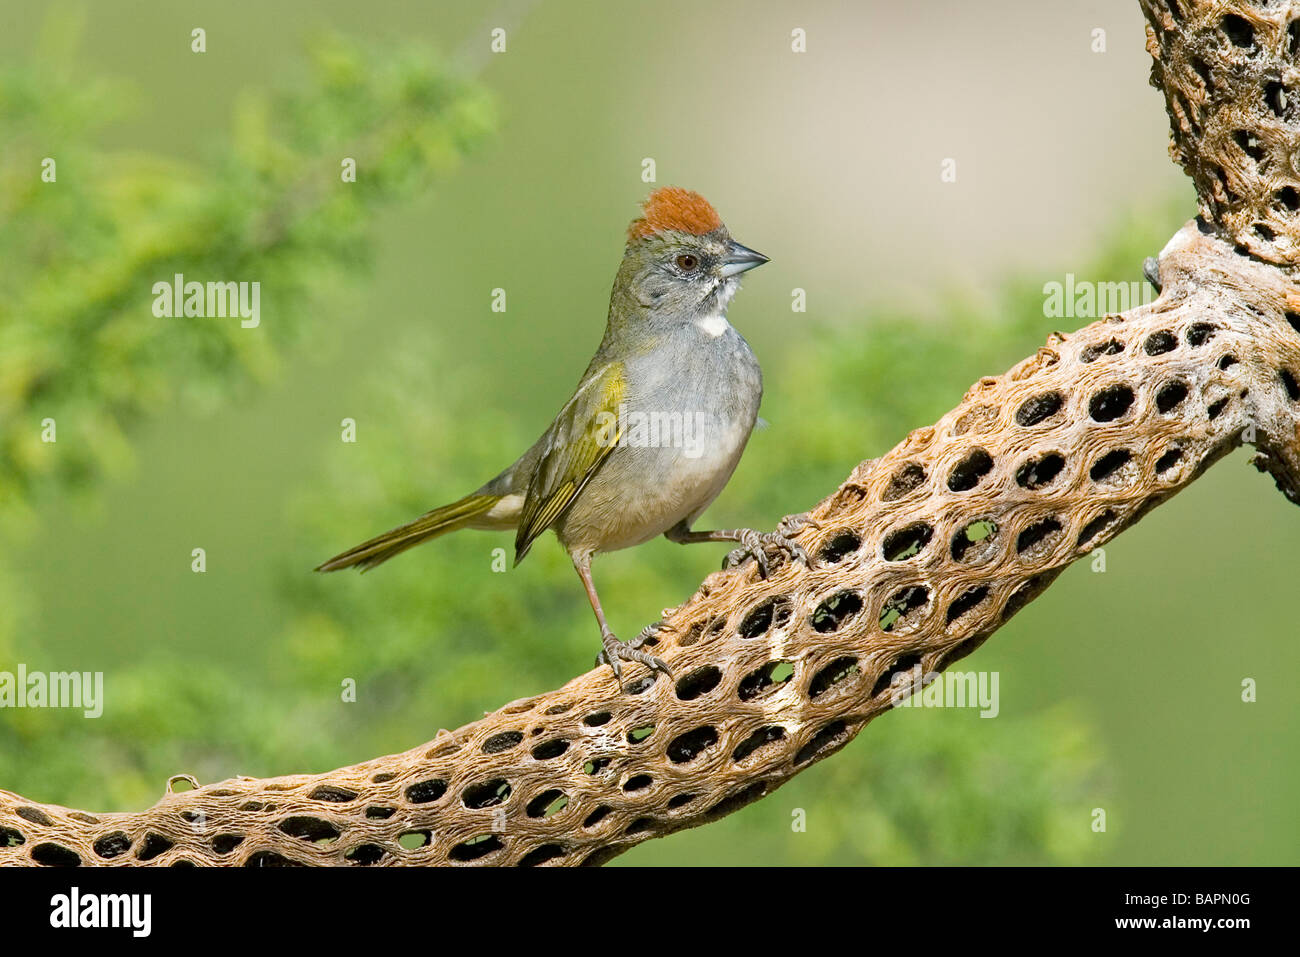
613 649
754 544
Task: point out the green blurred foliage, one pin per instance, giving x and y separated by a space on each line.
78 259
438 636
79 342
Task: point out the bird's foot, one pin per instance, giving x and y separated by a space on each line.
792 525
648 633
754 544
614 651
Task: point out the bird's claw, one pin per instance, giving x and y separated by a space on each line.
614 651
792 525
755 544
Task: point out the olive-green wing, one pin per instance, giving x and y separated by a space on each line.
582 436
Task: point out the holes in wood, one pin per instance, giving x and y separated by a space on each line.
976 542
904 607
1171 396
225 843
735 802
699 682
365 855
156 844
486 793
702 631
646 681
774 612
414 840
765 679
903 665
49 854
503 741
111 845
823 742
905 481
300 825
270 859
839 608
1168 460
426 791
1096 526
1039 409
1238 30
1040 472
838 671
333 794
1290 384
1038 539
1110 463
686 747
541 855
549 750
1158 343
476 848
34 814
967 602
968 472
1246 141
1110 403
549 802
1098 349
905 542
1275 97
757 741
840 546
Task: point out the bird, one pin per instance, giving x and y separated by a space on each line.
653 431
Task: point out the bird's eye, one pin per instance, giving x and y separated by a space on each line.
687 263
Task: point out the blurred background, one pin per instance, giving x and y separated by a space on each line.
519 170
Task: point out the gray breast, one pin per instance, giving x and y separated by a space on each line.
690 408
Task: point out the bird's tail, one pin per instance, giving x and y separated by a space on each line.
429 525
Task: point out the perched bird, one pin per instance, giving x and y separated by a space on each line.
653 431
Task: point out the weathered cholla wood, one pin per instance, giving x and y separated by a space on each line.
1231 82
918 557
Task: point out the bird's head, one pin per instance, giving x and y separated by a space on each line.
680 264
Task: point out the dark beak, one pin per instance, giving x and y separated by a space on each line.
740 259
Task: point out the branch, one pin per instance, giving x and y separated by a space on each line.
1049 461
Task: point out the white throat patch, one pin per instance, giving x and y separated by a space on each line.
714 325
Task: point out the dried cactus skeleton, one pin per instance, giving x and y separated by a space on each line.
918 557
